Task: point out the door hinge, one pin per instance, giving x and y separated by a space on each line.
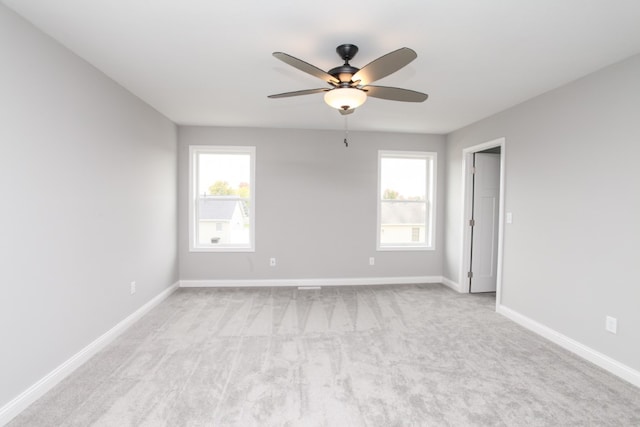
470 274
473 170
472 223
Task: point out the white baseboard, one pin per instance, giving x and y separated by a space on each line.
593 356
37 390
454 285
360 281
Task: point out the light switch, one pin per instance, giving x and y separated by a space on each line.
611 324
509 217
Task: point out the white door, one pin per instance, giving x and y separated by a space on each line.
484 234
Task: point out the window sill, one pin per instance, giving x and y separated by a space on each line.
222 249
405 248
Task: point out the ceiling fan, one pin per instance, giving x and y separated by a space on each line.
350 86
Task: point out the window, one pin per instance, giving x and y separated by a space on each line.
406 200
222 203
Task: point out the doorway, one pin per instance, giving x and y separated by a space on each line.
483 170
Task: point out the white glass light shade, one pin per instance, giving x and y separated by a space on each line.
345 98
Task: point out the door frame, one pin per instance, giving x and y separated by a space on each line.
467 193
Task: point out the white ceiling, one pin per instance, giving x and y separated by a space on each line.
209 62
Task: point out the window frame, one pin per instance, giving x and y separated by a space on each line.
431 158
194 152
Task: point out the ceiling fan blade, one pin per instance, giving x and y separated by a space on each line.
385 65
306 67
395 94
299 92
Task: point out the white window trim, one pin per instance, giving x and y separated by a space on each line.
430 226
194 151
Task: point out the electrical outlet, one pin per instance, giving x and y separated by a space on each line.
372 261
611 324
133 288
272 262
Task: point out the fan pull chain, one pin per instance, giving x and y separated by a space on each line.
346 131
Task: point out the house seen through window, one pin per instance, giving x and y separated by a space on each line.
222 208
406 200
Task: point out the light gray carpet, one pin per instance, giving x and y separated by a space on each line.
358 356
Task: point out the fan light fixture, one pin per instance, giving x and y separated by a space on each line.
351 86
345 98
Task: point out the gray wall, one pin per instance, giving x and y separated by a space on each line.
573 185
88 185
315 206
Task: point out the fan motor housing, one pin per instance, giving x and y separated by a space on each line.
345 71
